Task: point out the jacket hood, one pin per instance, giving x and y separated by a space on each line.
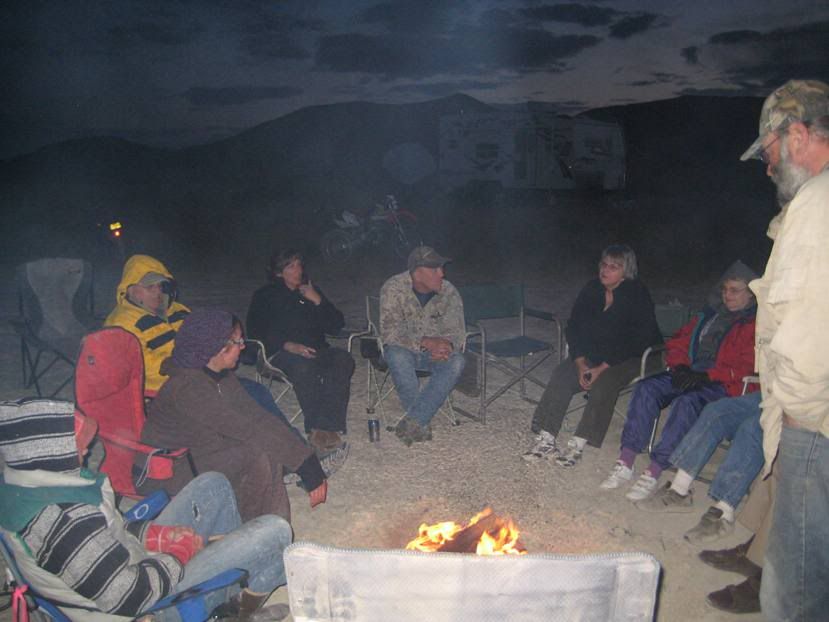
739 271
135 268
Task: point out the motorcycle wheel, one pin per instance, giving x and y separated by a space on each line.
405 239
336 245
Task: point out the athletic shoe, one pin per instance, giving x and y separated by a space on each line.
544 448
571 456
712 526
732 560
666 499
621 474
643 488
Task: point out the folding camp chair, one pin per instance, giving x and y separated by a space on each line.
494 302
55 301
33 602
267 373
379 384
109 388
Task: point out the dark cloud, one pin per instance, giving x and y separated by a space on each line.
690 54
464 52
757 61
632 25
412 15
572 14
497 18
265 34
235 95
164 32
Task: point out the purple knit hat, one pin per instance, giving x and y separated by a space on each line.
202 335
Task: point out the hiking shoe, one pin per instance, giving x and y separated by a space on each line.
571 456
740 598
621 474
712 526
544 448
643 488
334 459
324 441
410 431
666 499
731 560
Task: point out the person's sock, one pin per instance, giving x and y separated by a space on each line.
580 442
727 510
654 469
627 457
682 482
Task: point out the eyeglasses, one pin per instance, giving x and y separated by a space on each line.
237 342
733 291
764 156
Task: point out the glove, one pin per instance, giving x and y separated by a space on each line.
689 380
171 540
679 375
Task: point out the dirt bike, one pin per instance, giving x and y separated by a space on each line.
386 226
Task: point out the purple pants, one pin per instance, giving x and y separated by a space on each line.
649 398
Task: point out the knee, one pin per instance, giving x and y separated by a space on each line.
215 482
271 532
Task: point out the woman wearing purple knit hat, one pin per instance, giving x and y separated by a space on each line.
203 407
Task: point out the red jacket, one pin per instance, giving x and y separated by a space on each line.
735 356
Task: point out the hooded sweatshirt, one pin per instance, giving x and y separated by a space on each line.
155 333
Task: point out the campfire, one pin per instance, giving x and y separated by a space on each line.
484 534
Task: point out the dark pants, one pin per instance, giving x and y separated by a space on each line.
564 384
649 398
322 385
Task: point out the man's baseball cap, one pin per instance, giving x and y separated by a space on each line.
427 257
797 100
151 278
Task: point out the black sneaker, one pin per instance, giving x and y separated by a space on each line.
410 431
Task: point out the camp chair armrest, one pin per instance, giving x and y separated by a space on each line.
749 380
357 335
541 315
173 454
149 507
655 350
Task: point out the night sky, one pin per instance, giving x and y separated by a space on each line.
174 73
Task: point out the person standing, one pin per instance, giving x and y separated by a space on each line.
792 345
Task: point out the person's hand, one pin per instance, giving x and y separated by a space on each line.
319 494
440 349
590 376
310 293
299 349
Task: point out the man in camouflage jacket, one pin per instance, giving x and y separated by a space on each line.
422 328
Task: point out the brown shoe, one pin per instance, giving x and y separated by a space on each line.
741 598
324 441
732 560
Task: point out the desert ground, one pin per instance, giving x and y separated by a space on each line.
385 490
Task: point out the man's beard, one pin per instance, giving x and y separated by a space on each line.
787 176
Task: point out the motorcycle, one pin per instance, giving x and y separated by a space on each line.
386 225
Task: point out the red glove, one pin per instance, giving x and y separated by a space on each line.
180 542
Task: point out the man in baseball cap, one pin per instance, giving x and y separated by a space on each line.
422 327
792 342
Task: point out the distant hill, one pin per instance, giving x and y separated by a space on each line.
284 179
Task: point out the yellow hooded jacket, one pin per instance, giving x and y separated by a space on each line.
156 334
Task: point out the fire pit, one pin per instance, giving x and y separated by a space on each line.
449 584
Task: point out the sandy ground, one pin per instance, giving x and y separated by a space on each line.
385 490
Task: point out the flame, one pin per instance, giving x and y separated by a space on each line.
503 541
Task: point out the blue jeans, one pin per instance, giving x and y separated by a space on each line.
736 419
422 404
207 504
649 398
796 566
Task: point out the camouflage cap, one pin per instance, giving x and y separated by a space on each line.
427 257
797 100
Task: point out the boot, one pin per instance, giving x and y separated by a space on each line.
249 606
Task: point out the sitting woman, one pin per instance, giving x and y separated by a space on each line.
707 360
611 325
291 316
203 407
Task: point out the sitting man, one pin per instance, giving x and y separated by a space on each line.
422 328
75 547
146 306
738 420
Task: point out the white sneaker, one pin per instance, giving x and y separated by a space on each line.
572 456
544 448
643 488
621 474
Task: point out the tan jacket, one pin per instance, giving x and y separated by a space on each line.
792 338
